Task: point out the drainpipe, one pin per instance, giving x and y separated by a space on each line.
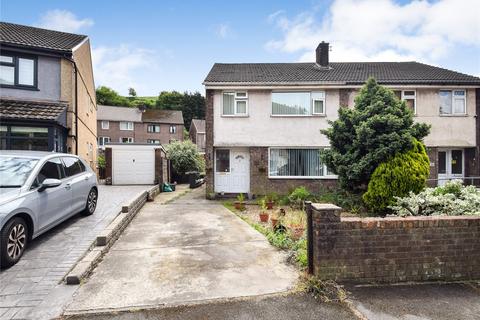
76 102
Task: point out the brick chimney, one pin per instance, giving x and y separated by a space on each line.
322 54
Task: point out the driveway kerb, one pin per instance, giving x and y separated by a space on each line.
107 237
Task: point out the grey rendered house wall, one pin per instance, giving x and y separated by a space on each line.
48 82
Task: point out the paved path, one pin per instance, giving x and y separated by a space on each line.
30 289
189 250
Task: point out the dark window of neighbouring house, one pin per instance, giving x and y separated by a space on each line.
19 71
153 128
222 160
173 129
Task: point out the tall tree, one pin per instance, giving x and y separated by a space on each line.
379 127
192 105
110 97
132 93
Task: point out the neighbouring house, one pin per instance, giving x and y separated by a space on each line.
47 91
138 125
197 134
263 120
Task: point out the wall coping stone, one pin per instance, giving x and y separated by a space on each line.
325 206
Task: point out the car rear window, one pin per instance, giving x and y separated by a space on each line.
73 166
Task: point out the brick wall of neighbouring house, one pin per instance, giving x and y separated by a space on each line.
209 141
260 184
387 250
140 133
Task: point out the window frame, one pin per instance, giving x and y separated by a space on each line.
107 127
174 127
229 162
312 107
325 170
152 141
15 64
236 99
453 113
101 140
404 97
130 140
128 127
153 125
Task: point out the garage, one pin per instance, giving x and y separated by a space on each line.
135 164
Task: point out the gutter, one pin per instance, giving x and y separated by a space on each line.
76 101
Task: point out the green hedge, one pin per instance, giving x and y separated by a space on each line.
396 177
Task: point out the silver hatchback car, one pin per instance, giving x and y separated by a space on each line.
39 190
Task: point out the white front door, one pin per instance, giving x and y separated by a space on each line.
133 166
232 170
450 165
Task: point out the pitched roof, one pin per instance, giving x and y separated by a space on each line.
113 113
32 110
26 36
343 73
199 124
163 116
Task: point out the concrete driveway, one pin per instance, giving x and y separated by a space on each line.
190 250
31 289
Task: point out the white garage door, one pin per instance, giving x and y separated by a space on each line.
133 166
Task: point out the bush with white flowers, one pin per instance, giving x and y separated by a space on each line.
452 199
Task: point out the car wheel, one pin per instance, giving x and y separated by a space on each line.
91 204
13 240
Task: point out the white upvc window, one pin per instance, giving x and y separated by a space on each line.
105 124
126 140
410 98
297 163
103 140
173 129
318 103
153 141
126 125
235 103
298 103
153 128
453 102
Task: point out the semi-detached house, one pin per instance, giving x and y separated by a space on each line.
263 120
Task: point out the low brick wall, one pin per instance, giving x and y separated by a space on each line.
387 250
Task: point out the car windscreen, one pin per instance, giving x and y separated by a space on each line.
14 171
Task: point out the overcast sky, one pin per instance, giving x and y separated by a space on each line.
171 45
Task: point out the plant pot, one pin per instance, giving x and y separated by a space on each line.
263 217
296 232
239 205
270 205
274 222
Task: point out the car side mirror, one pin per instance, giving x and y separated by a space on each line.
49 183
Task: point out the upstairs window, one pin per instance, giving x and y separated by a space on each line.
452 102
409 96
126 125
298 103
18 71
153 128
173 129
105 125
235 103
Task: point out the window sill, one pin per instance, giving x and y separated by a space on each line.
298 116
454 115
303 178
234 116
7 86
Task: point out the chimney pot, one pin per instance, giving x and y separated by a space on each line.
322 54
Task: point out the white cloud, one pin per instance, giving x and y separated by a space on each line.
381 30
123 67
63 20
223 31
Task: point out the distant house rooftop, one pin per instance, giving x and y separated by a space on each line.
163 116
334 73
113 113
199 125
16 35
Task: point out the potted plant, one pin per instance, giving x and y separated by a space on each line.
296 224
276 217
271 198
263 213
240 203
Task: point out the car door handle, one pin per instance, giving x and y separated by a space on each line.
86 178
68 186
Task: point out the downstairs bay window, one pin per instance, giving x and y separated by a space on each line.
297 164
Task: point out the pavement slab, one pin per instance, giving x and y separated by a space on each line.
452 301
186 251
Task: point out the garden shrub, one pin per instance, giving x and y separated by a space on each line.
185 157
405 172
298 196
452 199
352 202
